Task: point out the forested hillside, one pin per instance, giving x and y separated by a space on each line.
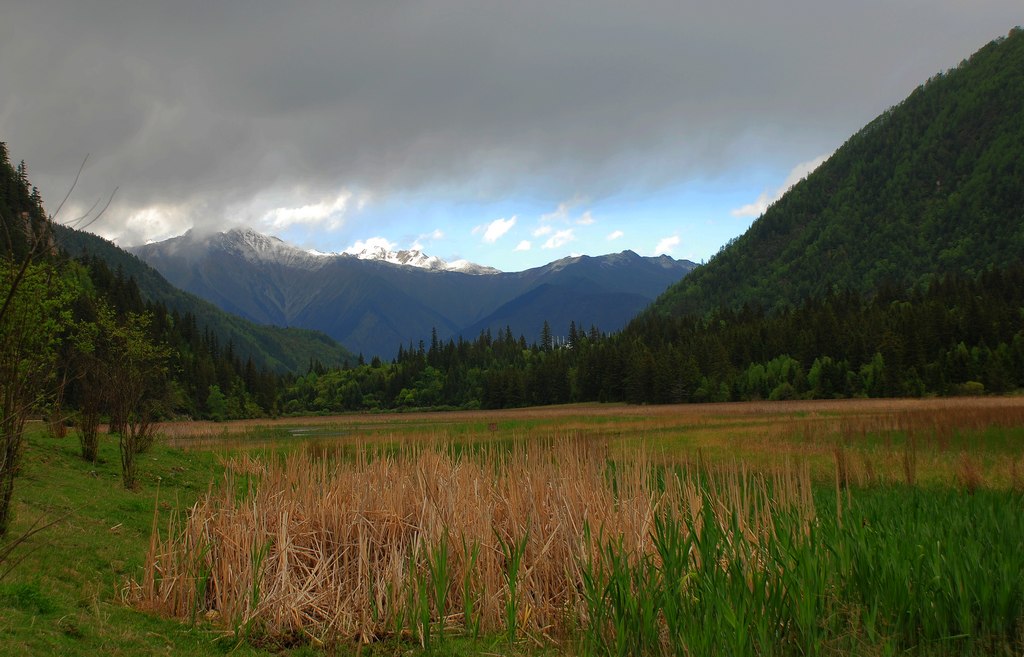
70 321
276 348
931 186
960 335
894 270
373 306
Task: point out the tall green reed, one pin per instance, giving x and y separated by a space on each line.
906 570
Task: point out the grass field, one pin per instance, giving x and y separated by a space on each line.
866 527
932 441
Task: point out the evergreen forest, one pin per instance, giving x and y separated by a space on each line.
931 186
893 270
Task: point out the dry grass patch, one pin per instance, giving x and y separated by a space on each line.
385 544
886 441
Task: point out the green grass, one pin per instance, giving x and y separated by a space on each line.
926 570
909 571
63 597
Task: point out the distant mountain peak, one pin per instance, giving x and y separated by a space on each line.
467 267
376 299
416 258
257 247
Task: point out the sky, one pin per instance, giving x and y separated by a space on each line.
507 133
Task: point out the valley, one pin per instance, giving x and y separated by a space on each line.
811 444
125 571
375 303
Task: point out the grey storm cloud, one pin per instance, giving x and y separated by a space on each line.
208 105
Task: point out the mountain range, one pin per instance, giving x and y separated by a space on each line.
411 258
271 347
375 302
893 269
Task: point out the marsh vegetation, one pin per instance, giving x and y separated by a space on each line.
804 528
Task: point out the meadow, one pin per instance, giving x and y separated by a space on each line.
867 527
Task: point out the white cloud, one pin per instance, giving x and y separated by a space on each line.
798 173
496 229
561 213
330 212
614 235
755 209
417 244
585 219
666 245
560 238
371 244
524 246
175 120
153 223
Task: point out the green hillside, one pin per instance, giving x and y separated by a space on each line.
273 347
932 186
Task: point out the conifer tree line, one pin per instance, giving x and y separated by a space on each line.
905 248
79 347
207 378
957 333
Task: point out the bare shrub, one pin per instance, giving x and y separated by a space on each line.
88 424
134 387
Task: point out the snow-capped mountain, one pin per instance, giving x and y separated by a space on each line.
373 302
416 258
252 246
257 247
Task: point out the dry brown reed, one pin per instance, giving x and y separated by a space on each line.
340 547
968 474
1017 474
936 421
842 466
910 460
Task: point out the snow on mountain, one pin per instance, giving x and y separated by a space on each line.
378 298
467 267
416 258
257 247
411 258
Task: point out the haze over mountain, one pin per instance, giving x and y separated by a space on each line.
375 302
896 270
468 128
933 185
